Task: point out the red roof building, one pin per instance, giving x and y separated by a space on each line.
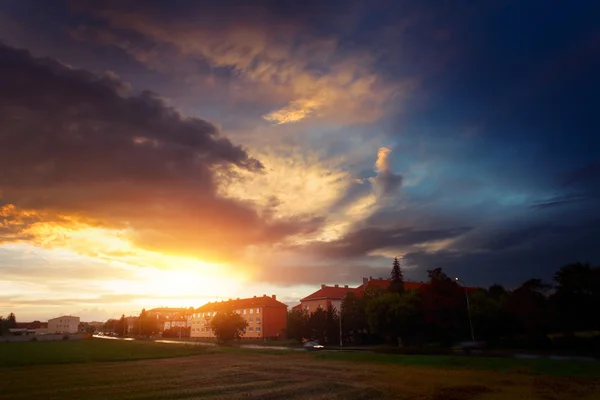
266 317
331 296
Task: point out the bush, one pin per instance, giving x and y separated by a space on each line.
65 337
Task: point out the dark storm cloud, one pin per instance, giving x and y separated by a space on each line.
564 200
360 242
76 143
315 274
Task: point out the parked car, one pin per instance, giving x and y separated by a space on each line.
313 346
469 347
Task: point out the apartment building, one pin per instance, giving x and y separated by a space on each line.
64 324
266 317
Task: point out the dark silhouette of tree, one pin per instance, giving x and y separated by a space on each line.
317 324
297 325
444 307
396 278
12 321
121 326
577 298
332 330
354 318
528 309
228 325
496 292
489 318
397 317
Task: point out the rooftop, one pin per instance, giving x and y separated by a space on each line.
261 301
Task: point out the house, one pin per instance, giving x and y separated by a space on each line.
266 317
64 324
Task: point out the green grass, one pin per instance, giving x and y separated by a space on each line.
532 366
85 351
159 371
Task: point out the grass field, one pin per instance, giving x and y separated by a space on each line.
103 369
82 351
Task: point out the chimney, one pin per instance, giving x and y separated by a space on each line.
337 286
365 281
346 286
254 296
370 278
322 286
274 297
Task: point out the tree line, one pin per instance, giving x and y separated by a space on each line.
444 311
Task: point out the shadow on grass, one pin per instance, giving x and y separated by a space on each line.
534 366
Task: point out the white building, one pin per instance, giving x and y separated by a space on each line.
64 324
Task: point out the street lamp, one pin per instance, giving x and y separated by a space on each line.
468 307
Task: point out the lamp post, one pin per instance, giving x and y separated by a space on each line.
468 307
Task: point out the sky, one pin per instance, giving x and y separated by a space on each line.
169 153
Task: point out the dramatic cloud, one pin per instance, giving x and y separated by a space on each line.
313 77
386 182
361 242
74 145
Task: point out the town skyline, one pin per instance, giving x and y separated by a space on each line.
165 153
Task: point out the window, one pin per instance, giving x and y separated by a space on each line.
258 320
258 329
250 319
250 329
244 312
307 308
252 311
258 310
214 313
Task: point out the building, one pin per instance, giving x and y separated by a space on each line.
64 324
328 297
266 317
29 328
164 314
179 321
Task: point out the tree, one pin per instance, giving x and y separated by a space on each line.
396 316
489 319
121 326
577 298
444 307
528 308
354 318
297 325
228 326
317 325
12 321
110 325
496 292
396 278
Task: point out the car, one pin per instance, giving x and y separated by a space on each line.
471 347
313 346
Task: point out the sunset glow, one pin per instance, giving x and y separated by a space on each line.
174 154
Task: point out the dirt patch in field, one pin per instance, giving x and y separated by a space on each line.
460 392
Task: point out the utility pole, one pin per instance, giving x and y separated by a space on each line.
468 308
